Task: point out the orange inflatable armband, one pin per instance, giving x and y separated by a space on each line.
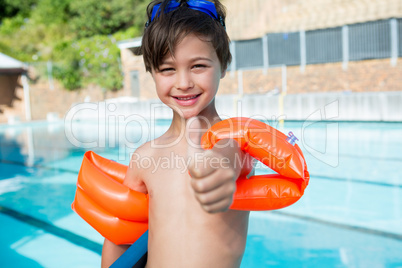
121 214
269 146
114 210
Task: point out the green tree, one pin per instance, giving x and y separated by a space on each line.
10 8
93 17
89 60
52 12
78 36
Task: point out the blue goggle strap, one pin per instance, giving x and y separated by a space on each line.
200 5
156 9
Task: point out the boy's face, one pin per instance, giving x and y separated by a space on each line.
188 81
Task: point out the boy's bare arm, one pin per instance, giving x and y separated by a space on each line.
110 251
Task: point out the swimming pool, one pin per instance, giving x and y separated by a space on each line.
350 215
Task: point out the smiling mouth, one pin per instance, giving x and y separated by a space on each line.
187 97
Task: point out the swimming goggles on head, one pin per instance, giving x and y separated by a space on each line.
200 5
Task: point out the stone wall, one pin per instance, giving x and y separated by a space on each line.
361 76
44 100
132 62
249 19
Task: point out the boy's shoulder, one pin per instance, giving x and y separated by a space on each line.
150 148
144 150
163 146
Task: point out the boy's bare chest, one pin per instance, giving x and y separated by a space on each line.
167 172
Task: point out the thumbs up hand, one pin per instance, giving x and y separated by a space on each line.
213 172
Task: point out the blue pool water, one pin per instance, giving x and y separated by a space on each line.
350 215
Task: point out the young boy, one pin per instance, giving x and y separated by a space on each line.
186 50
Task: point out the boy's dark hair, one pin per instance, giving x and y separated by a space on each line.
163 34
